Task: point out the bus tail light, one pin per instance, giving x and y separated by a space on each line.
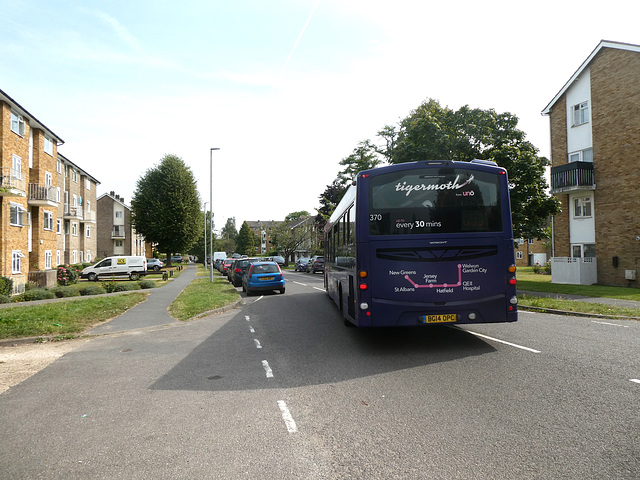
512 269
513 281
363 286
362 273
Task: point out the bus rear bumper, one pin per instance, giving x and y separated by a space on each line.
389 313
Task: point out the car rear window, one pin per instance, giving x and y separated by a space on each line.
265 269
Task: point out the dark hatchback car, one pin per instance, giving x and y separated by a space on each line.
316 264
263 276
238 270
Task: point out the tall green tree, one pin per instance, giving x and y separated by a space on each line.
364 157
289 236
166 206
433 132
293 216
245 240
229 231
329 200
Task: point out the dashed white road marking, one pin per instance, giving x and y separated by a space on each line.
246 317
611 324
635 380
286 416
251 329
321 289
267 369
257 343
298 283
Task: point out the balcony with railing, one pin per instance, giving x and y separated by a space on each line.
43 195
118 232
12 183
572 177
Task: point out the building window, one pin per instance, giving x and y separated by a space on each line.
57 257
74 229
16 261
48 179
66 227
16 164
580 113
47 259
81 256
48 145
88 255
88 231
16 217
17 124
119 213
531 241
74 175
74 256
59 166
88 182
519 255
58 226
119 243
582 207
48 220
581 156
58 194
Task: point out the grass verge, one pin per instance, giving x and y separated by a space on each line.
578 307
202 295
64 318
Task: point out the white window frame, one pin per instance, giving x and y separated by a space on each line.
48 220
74 175
74 229
88 255
48 178
88 184
58 166
582 207
585 155
519 255
580 113
17 123
58 197
88 231
47 259
16 261
48 145
16 164
17 210
74 256
119 214
57 257
59 226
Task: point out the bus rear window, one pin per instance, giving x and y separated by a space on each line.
438 201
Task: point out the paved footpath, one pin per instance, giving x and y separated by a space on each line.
153 311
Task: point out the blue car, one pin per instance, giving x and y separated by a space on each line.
263 276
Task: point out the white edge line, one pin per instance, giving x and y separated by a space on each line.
635 380
258 299
267 369
321 289
502 341
286 416
612 324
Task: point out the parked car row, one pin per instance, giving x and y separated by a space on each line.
253 274
310 265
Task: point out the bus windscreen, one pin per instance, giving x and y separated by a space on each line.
442 201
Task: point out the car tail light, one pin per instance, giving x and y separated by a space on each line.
238 270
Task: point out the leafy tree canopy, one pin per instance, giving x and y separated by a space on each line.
363 157
433 132
229 231
293 216
329 201
166 206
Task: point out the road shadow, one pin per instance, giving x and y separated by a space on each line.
310 347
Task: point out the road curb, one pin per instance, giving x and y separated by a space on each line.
575 314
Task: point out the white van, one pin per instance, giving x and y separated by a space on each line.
132 267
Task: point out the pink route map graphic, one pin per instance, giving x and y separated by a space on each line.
433 285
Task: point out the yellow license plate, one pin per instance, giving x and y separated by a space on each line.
447 318
266 278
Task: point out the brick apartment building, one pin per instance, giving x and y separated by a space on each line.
265 232
116 235
595 146
33 184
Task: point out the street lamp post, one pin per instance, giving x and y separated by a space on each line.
205 235
211 207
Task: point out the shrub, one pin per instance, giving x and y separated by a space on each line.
5 299
144 284
6 286
35 294
92 290
61 292
109 285
67 275
126 287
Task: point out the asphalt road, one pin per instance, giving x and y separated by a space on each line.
279 388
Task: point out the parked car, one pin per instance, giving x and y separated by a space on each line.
238 270
316 264
263 276
279 260
226 263
176 258
301 264
154 264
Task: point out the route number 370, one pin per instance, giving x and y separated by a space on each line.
375 217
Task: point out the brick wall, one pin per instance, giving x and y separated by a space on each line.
615 97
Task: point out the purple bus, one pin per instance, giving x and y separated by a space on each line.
423 243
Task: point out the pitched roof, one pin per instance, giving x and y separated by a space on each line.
33 121
603 44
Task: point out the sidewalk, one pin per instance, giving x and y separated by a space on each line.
153 311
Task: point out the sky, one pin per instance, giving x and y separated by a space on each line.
284 89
